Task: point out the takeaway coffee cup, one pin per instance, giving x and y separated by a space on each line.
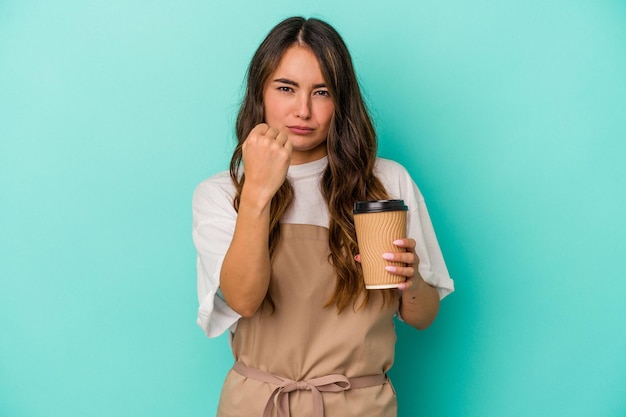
378 223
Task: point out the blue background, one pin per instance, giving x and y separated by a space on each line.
510 115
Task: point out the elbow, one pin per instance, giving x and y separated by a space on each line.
419 309
246 312
419 316
421 322
243 308
244 295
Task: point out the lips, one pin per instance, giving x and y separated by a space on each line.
300 130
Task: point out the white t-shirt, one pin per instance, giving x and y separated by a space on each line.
214 224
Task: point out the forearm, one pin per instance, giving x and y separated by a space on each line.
420 304
245 273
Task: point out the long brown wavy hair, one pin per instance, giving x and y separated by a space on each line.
351 146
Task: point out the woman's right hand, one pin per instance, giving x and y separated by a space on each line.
266 155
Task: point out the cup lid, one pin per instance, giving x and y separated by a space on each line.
376 206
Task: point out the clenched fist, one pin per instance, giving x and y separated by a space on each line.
266 155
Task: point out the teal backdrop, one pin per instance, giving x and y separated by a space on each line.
510 115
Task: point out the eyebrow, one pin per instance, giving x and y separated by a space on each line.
295 84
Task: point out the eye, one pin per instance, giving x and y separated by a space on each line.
285 89
323 93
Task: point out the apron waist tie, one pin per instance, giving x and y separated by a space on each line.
329 383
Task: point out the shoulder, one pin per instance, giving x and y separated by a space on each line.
215 191
219 182
388 165
396 179
386 169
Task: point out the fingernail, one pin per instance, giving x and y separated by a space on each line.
388 256
398 242
391 268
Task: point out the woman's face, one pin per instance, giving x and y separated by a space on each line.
297 102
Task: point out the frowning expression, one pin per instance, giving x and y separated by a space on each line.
297 101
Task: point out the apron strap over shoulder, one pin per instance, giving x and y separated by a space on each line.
329 383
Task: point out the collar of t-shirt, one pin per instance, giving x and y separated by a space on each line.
308 170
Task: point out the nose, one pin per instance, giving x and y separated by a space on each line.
303 106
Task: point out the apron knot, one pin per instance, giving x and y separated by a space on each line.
279 398
303 385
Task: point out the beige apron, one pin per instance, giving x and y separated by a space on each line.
304 360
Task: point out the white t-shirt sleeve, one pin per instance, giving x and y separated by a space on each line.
432 267
400 185
212 230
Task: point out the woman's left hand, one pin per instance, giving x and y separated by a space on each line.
409 258
419 303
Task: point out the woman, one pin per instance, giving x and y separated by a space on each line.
277 253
